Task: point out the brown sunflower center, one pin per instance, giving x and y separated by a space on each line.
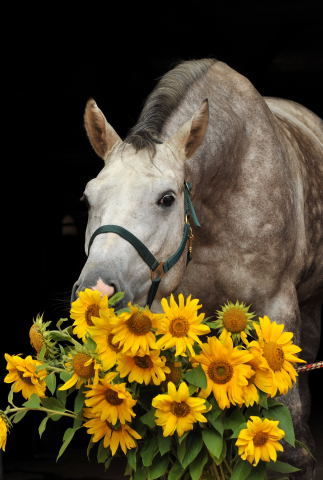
84 371
180 409
112 397
143 362
220 372
114 347
234 320
179 327
139 323
274 355
91 311
260 439
24 379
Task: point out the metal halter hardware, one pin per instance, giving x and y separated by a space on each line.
158 269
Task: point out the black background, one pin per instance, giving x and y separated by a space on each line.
54 61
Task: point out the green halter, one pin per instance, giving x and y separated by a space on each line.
158 269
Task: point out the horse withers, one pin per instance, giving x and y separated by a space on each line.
256 169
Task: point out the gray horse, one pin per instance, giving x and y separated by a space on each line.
256 169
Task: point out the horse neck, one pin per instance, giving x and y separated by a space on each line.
241 135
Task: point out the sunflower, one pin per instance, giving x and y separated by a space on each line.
110 402
133 331
113 435
260 440
234 318
180 325
90 303
84 368
27 379
101 333
4 428
143 368
250 393
275 349
40 337
177 411
226 370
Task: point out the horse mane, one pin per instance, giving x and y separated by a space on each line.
163 100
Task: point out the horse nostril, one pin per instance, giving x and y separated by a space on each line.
114 289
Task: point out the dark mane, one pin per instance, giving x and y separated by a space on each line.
163 100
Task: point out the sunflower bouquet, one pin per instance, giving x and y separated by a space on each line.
178 395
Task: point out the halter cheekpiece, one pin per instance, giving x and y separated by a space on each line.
158 269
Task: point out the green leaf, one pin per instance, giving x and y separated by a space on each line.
197 377
60 321
196 468
258 472
132 458
19 416
183 438
217 423
10 395
263 399
176 472
241 470
283 415
65 376
51 382
61 397
42 352
107 464
149 418
234 422
213 442
158 468
42 426
79 401
53 404
102 454
164 444
212 417
90 345
148 451
89 448
193 447
282 467
181 450
67 438
33 402
58 336
116 298
140 474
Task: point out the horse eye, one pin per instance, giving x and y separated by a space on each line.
166 200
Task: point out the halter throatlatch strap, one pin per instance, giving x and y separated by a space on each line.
158 269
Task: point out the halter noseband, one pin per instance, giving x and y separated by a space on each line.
158 269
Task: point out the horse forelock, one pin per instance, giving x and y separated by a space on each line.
163 101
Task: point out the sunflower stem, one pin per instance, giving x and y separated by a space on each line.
42 409
226 463
221 472
55 369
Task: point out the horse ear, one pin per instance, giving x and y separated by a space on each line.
101 135
190 136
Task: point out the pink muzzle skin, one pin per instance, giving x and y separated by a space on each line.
104 288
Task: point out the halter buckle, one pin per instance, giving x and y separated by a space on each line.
158 273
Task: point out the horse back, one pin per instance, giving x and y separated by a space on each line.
302 130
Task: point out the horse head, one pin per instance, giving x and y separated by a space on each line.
140 192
